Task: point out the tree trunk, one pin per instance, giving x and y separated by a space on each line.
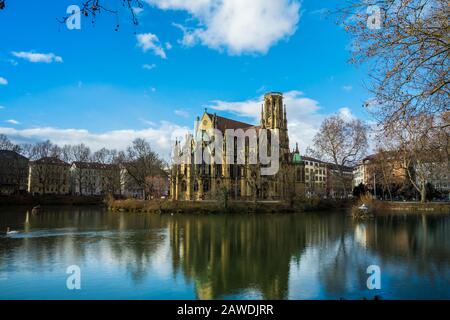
423 192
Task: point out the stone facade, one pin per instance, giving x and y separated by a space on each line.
204 181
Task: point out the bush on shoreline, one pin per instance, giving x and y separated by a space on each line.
205 207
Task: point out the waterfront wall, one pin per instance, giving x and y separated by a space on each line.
412 207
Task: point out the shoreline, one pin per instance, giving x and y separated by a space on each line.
216 207
51 200
232 206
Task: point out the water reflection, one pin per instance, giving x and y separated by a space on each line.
314 256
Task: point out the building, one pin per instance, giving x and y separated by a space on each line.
359 176
209 180
155 186
13 172
339 181
439 177
315 177
129 187
92 178
380 168
49 175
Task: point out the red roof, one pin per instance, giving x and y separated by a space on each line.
51 160
223 123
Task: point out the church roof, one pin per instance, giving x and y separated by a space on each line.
297 158
223 123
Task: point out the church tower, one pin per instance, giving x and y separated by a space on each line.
273 116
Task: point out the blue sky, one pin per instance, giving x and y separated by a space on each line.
106 87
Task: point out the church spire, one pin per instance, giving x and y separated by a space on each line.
262 115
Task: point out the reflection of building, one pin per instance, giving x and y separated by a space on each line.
49 175
13 172
240 181
223 256
90 178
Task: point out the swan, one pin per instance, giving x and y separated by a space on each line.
36 210
8 231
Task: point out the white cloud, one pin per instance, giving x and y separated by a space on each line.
347 88
303 115
161 138
236 25
346 114
149 41
37 57
149 66
168 45
12 121
182 113
12 62
3 81
148 122
137 10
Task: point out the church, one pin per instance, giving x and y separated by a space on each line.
208 180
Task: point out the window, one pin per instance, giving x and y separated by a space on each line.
299 174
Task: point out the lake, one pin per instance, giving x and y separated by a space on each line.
274 256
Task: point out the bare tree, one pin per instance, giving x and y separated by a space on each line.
44 149
6 144
341 142
408 53
142 164
109 161
421 151
79 154
93 8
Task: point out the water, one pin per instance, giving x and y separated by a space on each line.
145 256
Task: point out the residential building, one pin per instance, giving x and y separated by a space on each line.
92 178
156 186
49 175
339 181
315 177
13 172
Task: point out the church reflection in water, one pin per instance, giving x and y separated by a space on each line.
233 256
225 255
